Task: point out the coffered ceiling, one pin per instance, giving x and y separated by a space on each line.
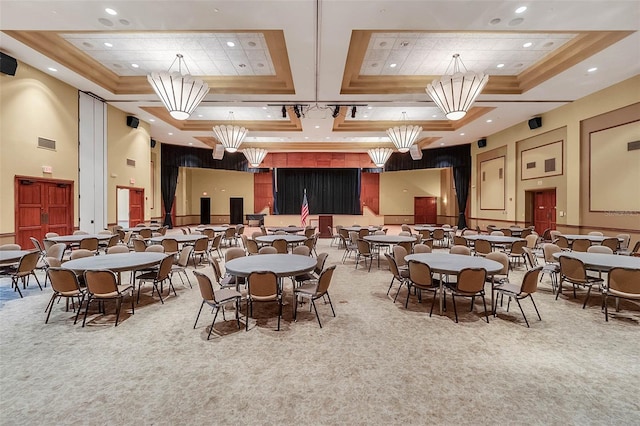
369 61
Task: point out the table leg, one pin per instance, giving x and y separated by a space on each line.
441 294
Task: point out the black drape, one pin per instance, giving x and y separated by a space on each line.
329 191
168 185
461 180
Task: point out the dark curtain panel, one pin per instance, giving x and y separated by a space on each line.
168 184
187 156
329 191
459 155
461 180
274 186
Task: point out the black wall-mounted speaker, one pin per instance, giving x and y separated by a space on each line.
482 143
535 122
132 121
153 143
8 65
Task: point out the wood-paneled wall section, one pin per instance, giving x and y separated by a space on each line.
370 191
318 159
262 191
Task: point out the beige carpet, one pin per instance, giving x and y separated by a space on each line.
375 363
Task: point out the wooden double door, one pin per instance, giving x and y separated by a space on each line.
544 210
41 206
425 210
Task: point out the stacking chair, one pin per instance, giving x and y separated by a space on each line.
596 233
215 245
364 252
469 283
482 247
464 250
230 236
280 245
420 278
599 249
401 275
263 287
507 232
155 248
24 270
622 283
234 253
525 233
612 243
438 236
335 237
157 278
251 246
551 266
309 232
200 248
526 288
421 248
145 233
314 290
624 244
170 246
103 285
90 243
320 261
459 240
53 257
562 242
224 281
301 250
180 267
64 283
580 245
118 249
216 299
349 247
574 271
139 245
516 253
267 250
532 241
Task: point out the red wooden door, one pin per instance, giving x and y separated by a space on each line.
136 206
425 210
41 206
544 210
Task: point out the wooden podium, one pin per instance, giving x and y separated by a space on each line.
324 222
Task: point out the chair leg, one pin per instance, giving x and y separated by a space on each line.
198 316
484 303
86 310
559 292
330 304
455 310
406 303
280 312
316 311
586 298
606 308
14 283
521 310
81 299
390 285
295 308
433 302
535 307
50 307
213 323
118 305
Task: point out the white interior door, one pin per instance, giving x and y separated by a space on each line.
123 207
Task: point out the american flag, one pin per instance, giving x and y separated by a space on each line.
304 214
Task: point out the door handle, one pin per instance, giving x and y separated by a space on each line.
44 218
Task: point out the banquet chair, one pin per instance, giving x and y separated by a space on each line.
64 283
309 232
155 248
612 243
230 236
170 246
575 272
421 248
263 287
399 253
301 251
599 249
532 241
80 253
267 250
364 252
482 247
223 280
622 283
507 232
251 246
320 261
469 283
624 244
118 249
525 233
438 236
516 253
335 237
464 250
103 285
551 266
89 244
201 248
562 242
349 247
53 257
157 278
139 245
180 267
216 299
526 288
407 245
397 274
314 290
24 270
580 245
503 274
10 246
459 240
280 245
497 233
215 245
596 233
635 251
145 233
420 278
51 235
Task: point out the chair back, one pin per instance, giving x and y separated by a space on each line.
399 253
596 233
561 241
127 237
145 233
344 233
407 245
482 246
393 266
210 233
118 249
379 232
263 230
324 280
530 281
280 245
624 244
580 245
471 280
256 234
139 245
438 234
78 232
6 247
268 250
421 248
530 257
56 250
404 233
501 258
230 233
546 235
155 248
525 233
170 245
548 250
201 245
301 250
320 261
599 249
426 234
310 243
215 245
28 263
114 240
405 228
364 247
101 283
206 288
263 286
80 253
217 272
420 273
309 232
63 280
165 268
163 230
185 253
280 232
52 262
517 247
612 243
51 234
459 240
239 230
233 253
573 269
624 280
507 232
252 246
532 240
464 250
36 244
90 243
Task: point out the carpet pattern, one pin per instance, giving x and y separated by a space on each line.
374 363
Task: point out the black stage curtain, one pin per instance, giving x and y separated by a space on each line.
461 179
168 184
329 191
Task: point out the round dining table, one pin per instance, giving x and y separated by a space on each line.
181 239
76 238
218 228
452 264
593 238
136 229
12 256
387 239
283 265
115 262
290 239
359 228
287 229
493 239
601 261
430 228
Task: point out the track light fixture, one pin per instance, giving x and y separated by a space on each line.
296 110
284 111
336 111
353 111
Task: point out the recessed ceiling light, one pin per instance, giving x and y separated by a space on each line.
327 137
264 107
495 21
369 107
434 115
461 134
365 116
170 134
111 11
516 21
216 10
500 66
489 121
190 143
152 119
135 65
393 65
200 115
230 44
592 69
527 44
521 9
108 44
306 137
52 69
441 143
317 127
268 115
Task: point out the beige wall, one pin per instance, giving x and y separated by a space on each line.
566 119
33 105
124 143
397 190
220 186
